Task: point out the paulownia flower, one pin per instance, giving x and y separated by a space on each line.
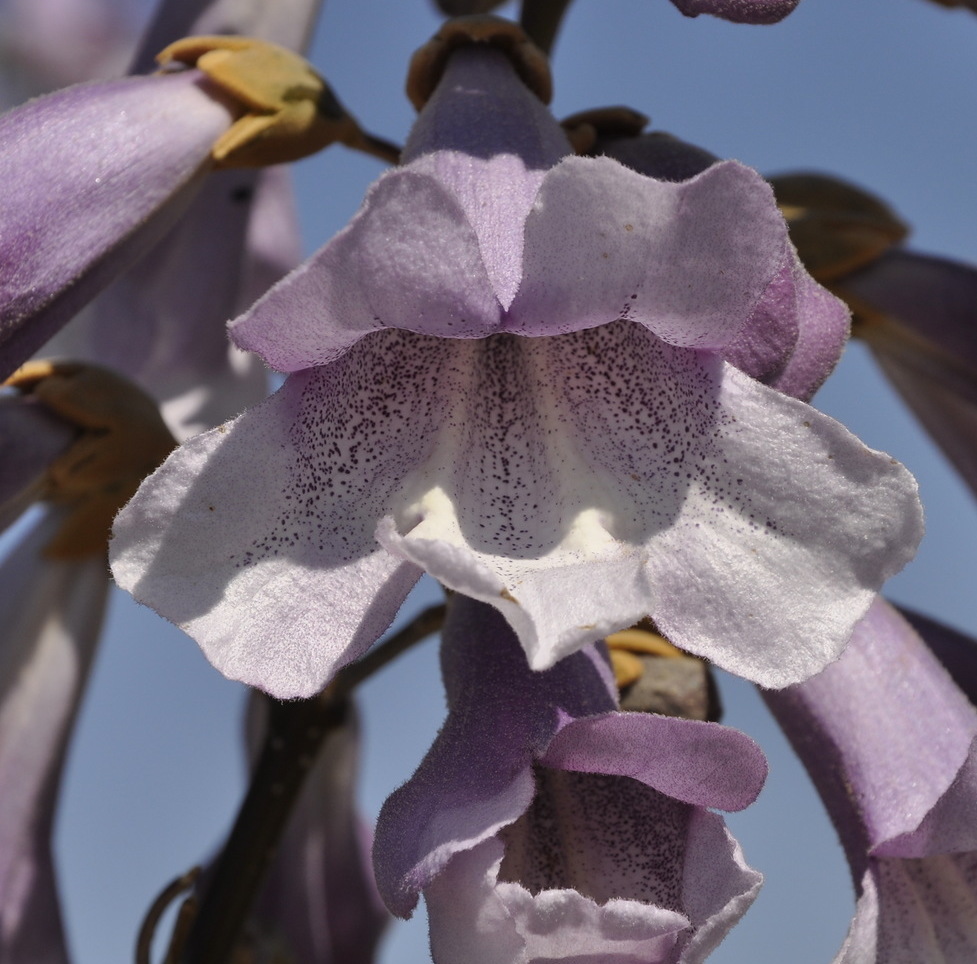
543 824
916 312
98 437
98 173
740 11
889 742
509 371
163 323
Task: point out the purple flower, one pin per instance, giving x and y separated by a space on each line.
739 11
98 173
51 611
914 311
104 163
85 439
319 903
163 323
889 741
543 824
508 371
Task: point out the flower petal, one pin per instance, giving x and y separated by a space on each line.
915 910
739 11
707 501
82 206
874 771
409 259
477 778
257 537
703 764
687 260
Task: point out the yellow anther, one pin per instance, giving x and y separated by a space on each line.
123 438
643 641
288 110
836 227
427 65
627 667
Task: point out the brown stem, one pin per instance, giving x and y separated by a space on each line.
296 731
167 895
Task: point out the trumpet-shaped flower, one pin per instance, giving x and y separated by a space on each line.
545 825
98 173
508 371
891 744
92 438
163 323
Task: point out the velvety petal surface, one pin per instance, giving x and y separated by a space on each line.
410 259
584 863
739 11
257 537
607 458
437 245
82 206
846 725
955 650
890 743
477 776
915 910
529 473
688 260
51 612
795 334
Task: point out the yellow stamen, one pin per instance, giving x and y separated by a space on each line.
627 667
427 65
289 111
643 641
836 227
122 439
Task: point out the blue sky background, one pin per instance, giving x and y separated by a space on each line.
881 92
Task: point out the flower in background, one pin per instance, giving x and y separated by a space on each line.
163 323
739 11
91 439
47 44
508 371
915 312
889 742
100 172
543 824
319 903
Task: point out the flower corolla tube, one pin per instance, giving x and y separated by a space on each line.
508 371
544 824
890 743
